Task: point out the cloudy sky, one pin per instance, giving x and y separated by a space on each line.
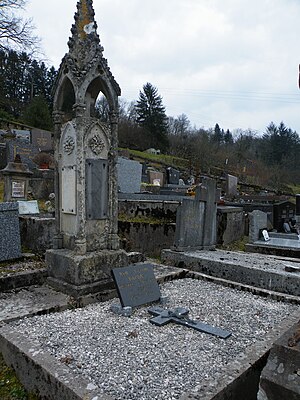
234 62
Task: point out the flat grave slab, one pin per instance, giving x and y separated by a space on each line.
257 270
130 358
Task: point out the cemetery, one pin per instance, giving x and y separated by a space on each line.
115 279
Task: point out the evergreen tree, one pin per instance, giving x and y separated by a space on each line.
21 79
37 114
218 135
151 115
228 138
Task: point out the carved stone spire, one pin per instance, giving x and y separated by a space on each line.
85 51
85 28
84 44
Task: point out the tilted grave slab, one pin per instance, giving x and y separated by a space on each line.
136 285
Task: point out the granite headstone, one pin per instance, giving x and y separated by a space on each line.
27 151
129 175
136 285
173 176
10 242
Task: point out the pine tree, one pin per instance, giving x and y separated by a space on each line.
151 115
37 114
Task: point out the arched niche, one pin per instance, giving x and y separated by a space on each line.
65 99
96 87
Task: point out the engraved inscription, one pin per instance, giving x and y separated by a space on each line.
136 284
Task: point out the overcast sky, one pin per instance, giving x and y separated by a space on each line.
232 62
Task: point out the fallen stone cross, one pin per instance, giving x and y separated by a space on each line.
180 316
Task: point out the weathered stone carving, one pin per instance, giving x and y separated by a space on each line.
96 144
86 242
69 145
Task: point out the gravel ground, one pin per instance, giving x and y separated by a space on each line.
129 358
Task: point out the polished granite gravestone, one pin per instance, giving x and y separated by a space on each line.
136 285
10 242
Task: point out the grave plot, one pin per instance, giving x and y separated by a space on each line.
130 358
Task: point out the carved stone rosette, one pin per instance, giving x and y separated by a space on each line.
69 145
96 144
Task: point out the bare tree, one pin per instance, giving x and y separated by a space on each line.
15 31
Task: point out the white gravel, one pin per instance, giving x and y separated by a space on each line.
129 358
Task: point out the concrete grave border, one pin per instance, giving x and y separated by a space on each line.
41 371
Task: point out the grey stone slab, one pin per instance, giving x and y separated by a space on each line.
30 301
196 219
129 175
96 189
27 151
280 243
280 379
136 284
152 197
10 242
248 269
231 185
258 220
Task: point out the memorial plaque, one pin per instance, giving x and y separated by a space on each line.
136 284
69 190
28 207
96 189
18 189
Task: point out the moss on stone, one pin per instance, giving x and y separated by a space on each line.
10 386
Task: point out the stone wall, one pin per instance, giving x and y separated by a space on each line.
148 238
149 209
42 183
37 233
230 224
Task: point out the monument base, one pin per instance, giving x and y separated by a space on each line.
81 275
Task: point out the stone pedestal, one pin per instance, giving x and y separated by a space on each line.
16 179
79 275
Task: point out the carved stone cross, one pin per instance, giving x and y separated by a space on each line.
179 316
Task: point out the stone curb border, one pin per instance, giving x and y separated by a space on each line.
40 371
286 283
22 279
245 368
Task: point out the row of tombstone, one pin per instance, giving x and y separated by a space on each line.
131 174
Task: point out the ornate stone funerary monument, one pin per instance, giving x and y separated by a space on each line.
86 245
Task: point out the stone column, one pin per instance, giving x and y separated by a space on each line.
57 120
114 238
80 239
